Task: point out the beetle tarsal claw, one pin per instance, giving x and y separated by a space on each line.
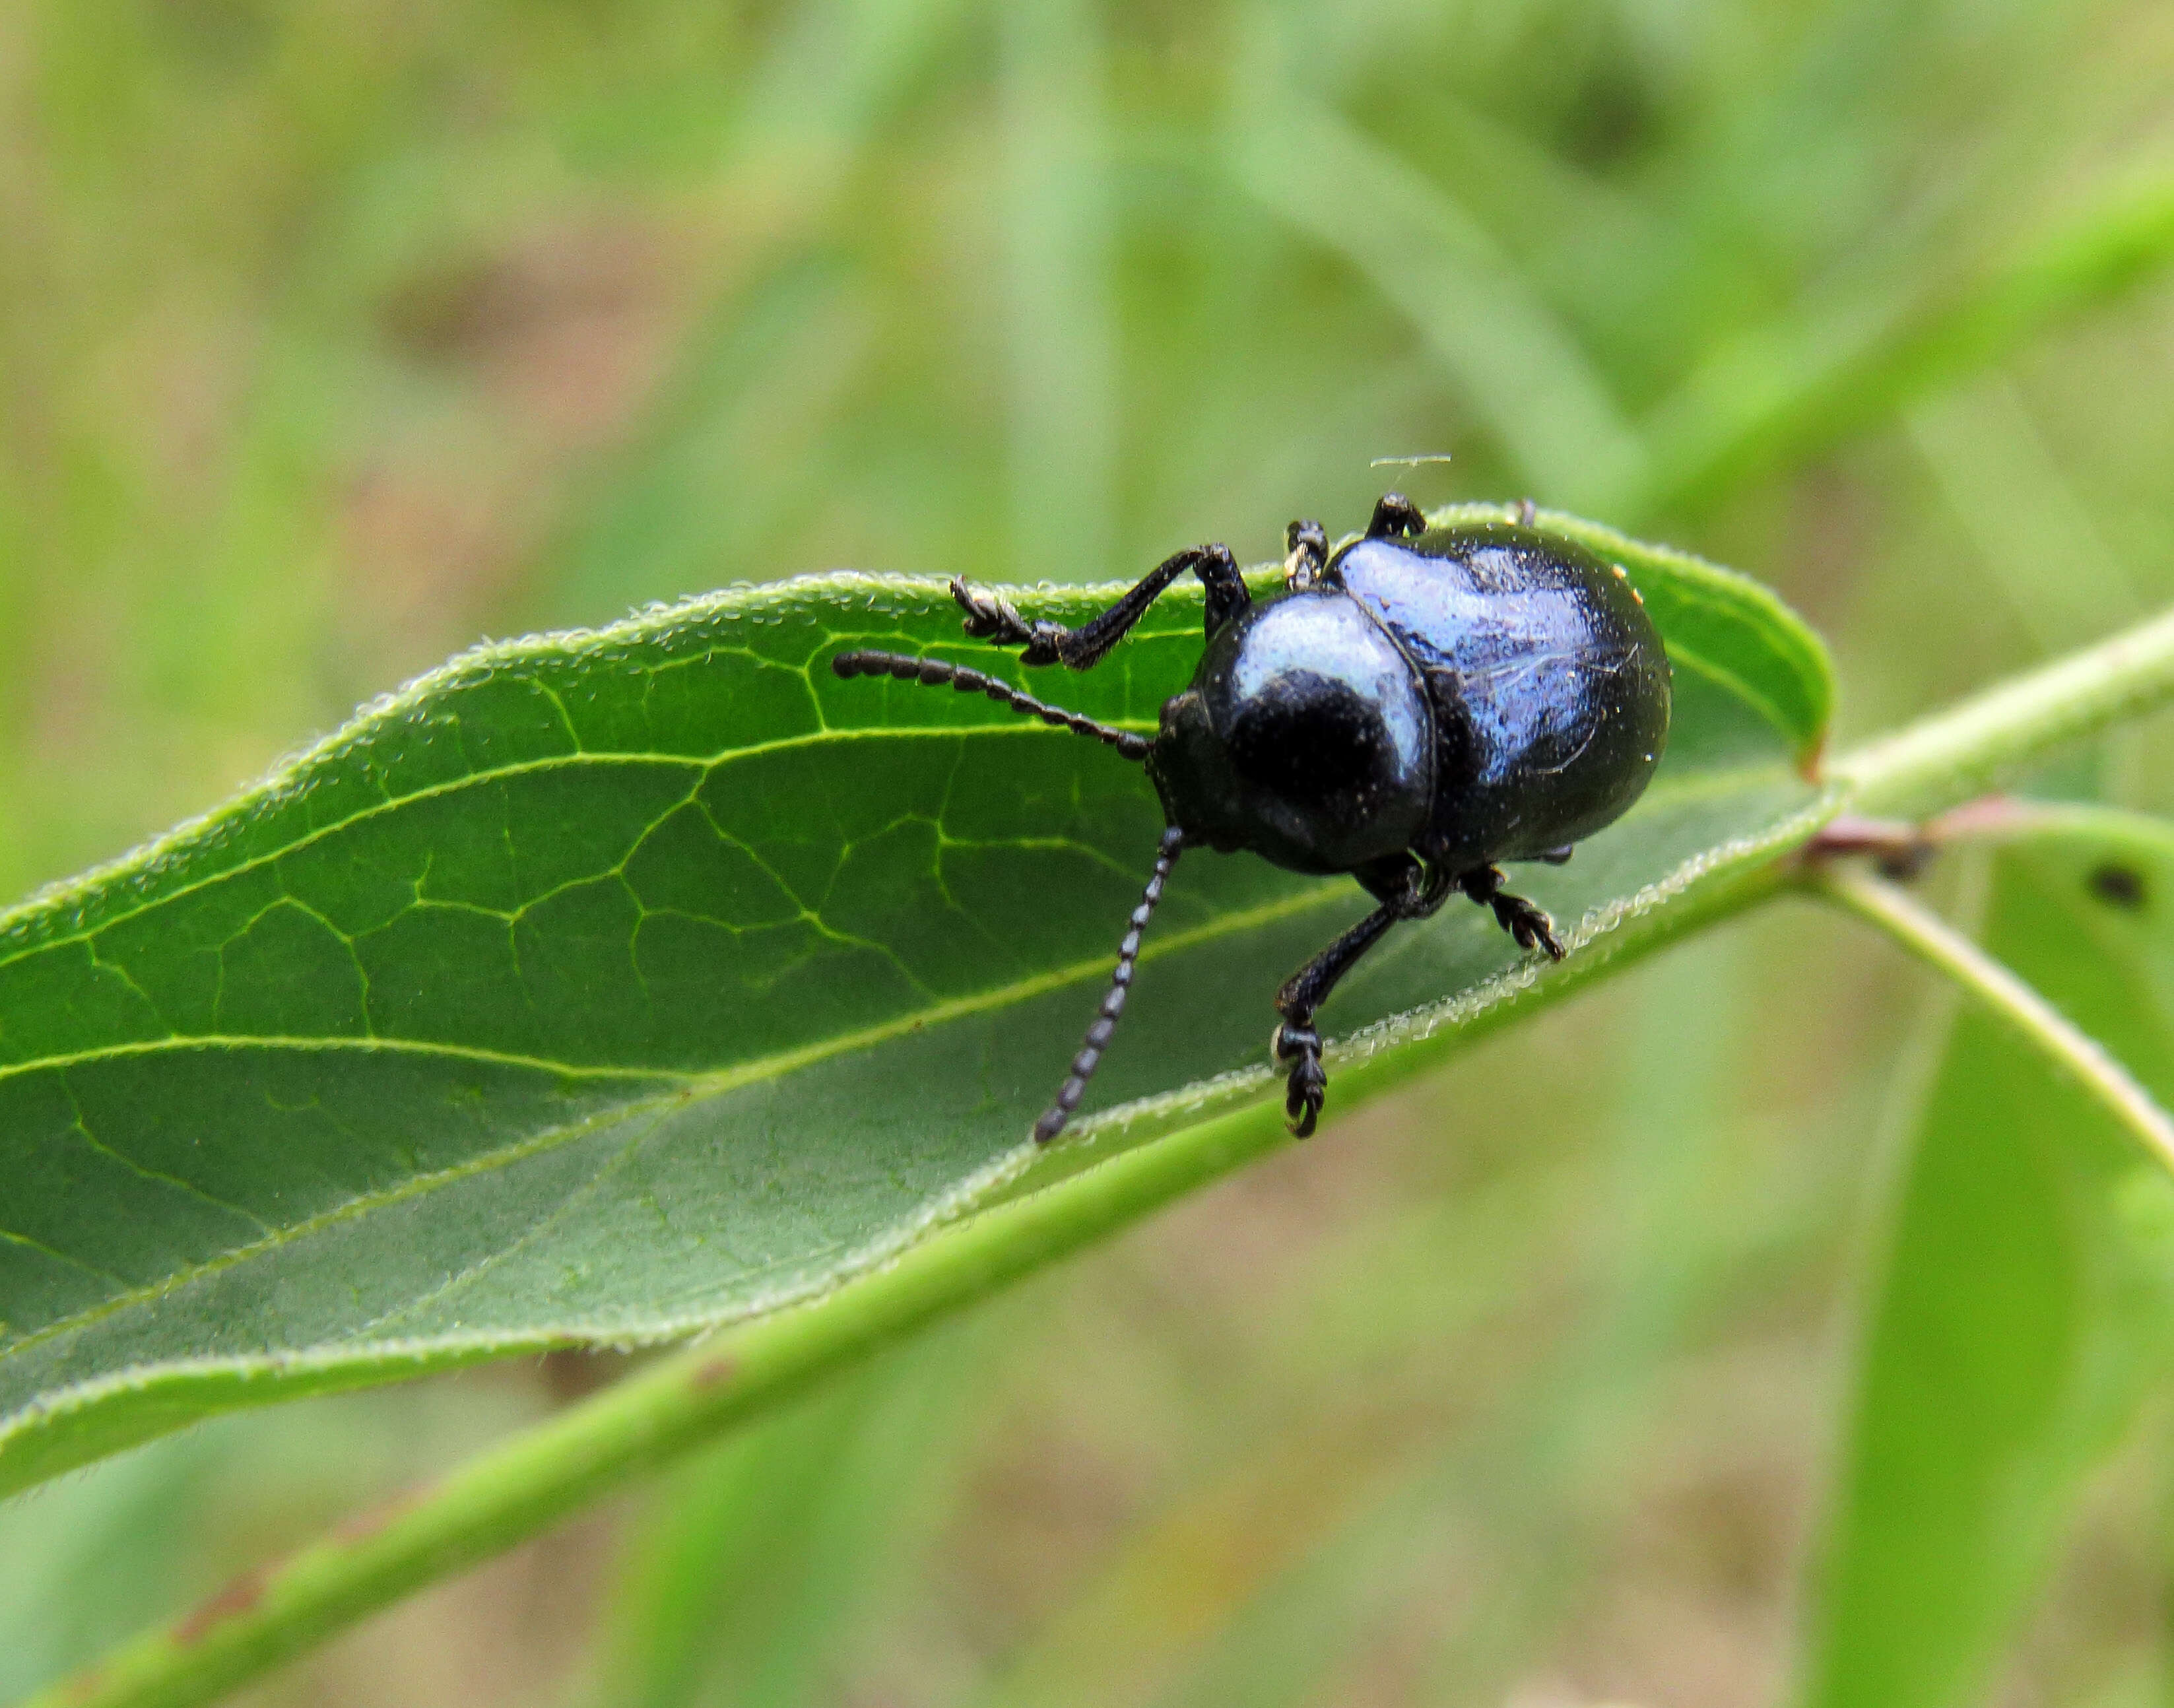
1309 1090
1306 1087
1529 925
1396 517
989 618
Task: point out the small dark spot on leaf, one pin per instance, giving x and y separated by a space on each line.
360 1527
574 1373
230 1603
2119 886
711 1373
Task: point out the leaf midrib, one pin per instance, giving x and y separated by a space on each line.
1700 784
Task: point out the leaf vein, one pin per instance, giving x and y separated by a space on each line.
18 920
143 1171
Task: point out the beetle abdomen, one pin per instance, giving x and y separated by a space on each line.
1548 685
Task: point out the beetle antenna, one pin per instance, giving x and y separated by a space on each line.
934 672
1113 1004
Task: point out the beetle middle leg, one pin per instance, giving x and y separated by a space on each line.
1528 924
1408 890
989 618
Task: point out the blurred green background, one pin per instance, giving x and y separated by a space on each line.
337 334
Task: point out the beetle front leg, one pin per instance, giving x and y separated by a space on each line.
991 618
1411 892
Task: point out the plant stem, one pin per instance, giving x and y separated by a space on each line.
1956 753
2035 1022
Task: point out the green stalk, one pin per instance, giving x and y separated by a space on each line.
1959 753
684 1401
2035 1022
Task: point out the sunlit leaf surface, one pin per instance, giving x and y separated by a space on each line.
2028 1293
605 987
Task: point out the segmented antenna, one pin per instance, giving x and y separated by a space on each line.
1121 981
934 672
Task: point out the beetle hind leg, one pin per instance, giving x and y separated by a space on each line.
1528 924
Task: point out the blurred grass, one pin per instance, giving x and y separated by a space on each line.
333 335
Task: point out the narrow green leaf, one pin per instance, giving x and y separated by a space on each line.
2029 1290
752 1561
606 987
1521 369
1970 747
1810 379
1180 1581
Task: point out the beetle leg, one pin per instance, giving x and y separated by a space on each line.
991 618
1295 1039
1408 891
1528 513
1531 926
1395 516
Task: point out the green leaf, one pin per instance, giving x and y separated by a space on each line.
2028 1294
603 987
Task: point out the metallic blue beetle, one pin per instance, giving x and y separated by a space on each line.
1423 704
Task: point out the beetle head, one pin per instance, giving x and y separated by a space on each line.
1304 736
